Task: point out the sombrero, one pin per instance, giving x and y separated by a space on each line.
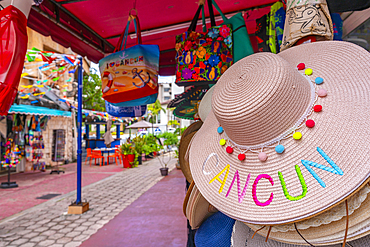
197 208
289 153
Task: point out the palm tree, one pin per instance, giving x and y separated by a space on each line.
155 110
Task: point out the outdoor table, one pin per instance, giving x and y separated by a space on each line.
105 151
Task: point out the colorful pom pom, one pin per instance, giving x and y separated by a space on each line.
301 66
262 156
279 149
317 108
322 92
308 71
229 150
220 130
310 123
241 157
297 135
319 80
222 142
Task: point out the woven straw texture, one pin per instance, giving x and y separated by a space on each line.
261 97
205 105
198 209
359 226
183 147
186 199
327 217
242 237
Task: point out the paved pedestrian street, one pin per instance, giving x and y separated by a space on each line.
48 224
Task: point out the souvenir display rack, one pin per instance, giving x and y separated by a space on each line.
37 144
58 148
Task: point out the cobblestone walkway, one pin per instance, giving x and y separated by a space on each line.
48 224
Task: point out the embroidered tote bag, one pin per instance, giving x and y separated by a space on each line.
202 57
242 46
130 76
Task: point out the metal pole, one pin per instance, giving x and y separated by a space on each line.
79 130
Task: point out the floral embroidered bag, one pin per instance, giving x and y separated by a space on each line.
202 57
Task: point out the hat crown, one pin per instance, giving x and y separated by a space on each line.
259 98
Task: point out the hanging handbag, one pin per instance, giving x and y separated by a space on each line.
130 76
242 46
202 57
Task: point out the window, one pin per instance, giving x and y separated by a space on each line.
166 98
166 89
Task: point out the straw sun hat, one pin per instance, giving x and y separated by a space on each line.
276 167
183 147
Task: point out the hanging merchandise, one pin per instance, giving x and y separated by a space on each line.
242 46
337 26
130 76
188 109
306 21
184 96
272 41
279 26
43 122
131 111
13 39
202 57
262 34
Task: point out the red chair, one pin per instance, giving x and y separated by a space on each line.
115 155
96 154
88 155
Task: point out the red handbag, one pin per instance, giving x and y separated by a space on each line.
13 50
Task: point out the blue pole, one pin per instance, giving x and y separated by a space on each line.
79 132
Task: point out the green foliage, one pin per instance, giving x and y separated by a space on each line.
152 144
139 144
170 138
180 131
173 122
127 149
155 108
92 97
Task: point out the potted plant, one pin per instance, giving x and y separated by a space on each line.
139 143
128 155
151 146
164 163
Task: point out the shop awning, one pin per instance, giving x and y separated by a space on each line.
92 27
38 110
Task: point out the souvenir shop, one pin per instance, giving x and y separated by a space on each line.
37 136
278 154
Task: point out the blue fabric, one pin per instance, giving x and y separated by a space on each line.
142 101
337 26
38 110
279 25
215 231
118 111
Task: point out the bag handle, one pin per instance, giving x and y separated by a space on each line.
193 24
123 38
224 18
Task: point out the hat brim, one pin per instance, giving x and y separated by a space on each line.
342 130
332 233
198 209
